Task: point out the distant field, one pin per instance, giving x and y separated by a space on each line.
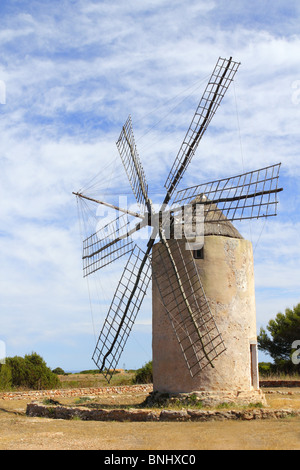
123 377
81 380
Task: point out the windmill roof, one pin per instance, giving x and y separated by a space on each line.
215 222
222 227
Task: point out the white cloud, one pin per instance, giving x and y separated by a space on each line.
72 77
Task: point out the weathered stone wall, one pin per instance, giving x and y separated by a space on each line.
209 398
74 392
279 383
60 412
92 391
227 276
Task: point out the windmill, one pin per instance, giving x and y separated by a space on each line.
246 196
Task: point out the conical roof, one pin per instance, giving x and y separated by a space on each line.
215 222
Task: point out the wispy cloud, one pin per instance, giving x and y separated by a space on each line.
73 72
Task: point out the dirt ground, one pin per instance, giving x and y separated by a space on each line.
19 432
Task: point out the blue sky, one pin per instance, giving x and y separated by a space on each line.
72 72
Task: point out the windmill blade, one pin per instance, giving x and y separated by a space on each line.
183 297
107 244
222 75
122 313
132 164
246 196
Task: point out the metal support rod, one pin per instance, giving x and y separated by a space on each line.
134 214
121 237
227 199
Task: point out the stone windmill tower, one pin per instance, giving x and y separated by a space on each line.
224 267
204 328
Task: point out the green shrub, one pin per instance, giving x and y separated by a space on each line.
281 367
144 375
18 371
5 377
58 371
90 371
265 368
31 372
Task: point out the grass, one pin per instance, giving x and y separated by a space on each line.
163 402
81 400
167 404
279 376
96 380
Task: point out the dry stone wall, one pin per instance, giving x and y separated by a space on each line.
85 414
78 392
74 392
279 383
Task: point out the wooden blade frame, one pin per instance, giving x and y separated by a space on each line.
246 196
185 302
124 308
222 76
132 164
106 245
178 280
219 82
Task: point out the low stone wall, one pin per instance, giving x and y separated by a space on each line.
279 383
95 391
74 392
209 399
86 414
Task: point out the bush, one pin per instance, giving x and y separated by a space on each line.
5 377
265 368
144 375
31 372
281 367
90 371
58 371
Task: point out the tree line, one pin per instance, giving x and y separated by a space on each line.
28 372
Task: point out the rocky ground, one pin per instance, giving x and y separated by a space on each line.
19 431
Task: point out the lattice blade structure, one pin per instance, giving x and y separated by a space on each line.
197 333
132 164
246 196
106 245
124 308
223 74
